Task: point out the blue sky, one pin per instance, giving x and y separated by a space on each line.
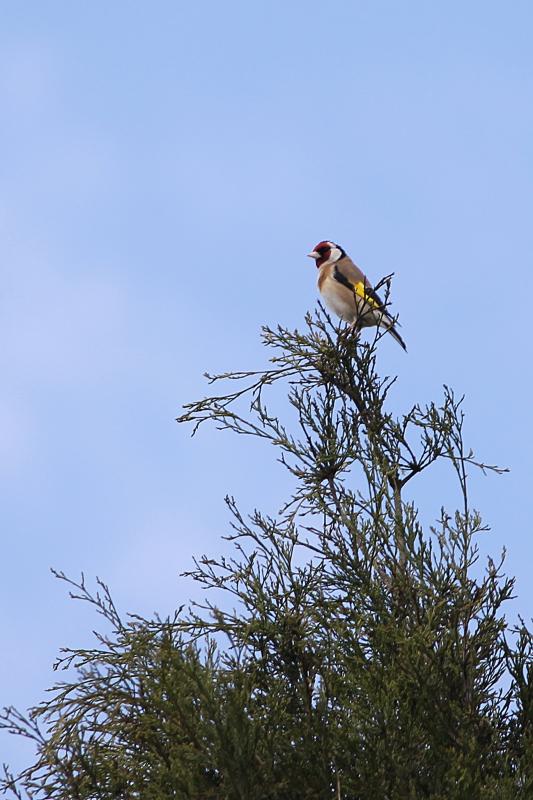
166 168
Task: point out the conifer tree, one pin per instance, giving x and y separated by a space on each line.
357 656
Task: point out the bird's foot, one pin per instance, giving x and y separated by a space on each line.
352 330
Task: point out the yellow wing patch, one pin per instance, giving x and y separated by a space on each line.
365 293
359 289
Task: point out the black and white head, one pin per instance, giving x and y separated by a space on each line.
326 253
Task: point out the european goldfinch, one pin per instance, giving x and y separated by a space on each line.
347 291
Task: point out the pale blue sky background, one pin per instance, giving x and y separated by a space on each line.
166 166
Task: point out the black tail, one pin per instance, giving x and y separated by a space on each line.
394 333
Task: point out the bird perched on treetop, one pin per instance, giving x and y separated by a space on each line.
347 291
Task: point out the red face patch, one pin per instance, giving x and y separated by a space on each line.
324 250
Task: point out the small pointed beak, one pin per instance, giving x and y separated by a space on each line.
313 254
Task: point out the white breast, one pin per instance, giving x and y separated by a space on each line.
338 299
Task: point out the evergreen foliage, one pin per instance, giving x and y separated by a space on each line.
358 656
